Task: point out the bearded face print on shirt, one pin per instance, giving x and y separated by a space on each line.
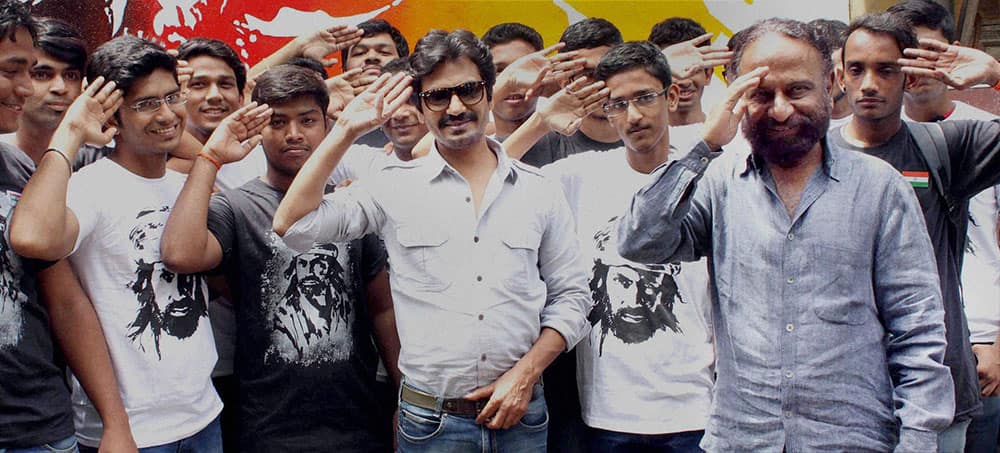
631 301
308 301
12 299
168 303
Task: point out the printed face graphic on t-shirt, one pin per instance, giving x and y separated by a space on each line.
12 299
309 298
631 301
169 303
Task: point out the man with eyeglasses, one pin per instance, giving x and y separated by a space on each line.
108 219
647 320
477 243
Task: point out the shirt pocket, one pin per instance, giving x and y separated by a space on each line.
518 260
422 260
841 296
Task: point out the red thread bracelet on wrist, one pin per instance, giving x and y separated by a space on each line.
214 161
997 86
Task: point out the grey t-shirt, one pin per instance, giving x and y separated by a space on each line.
554 146
305 358
975 150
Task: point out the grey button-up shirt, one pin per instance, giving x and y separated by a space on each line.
829 323
468 290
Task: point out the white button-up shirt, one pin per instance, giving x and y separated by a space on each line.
471 293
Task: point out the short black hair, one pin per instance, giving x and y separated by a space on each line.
284 83
512 31
589 34
402 65
376 27
793 29
676 30
215 48
831 32
631 55
311 64
439 46
16 14
62 41
887 24
126 59
926 13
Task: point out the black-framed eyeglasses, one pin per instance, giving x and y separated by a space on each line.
470 93
151 105
643 100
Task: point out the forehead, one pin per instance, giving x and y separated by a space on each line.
296 106
593 55
636 80
452 73
929 33
47 60
16 51
377 40
865 46
788 59
204 65
158 83
511 50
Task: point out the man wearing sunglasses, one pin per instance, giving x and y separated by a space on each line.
646 320
477 244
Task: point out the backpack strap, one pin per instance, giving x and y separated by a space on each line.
934 149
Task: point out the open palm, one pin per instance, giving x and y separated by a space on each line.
238 133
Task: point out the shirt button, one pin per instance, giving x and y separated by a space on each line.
482 357
704 160
789 374
481 316
468 199
479 278
788 414
475 239
789 327
790 280
790 236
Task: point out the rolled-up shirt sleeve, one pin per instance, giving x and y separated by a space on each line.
908 295
343 215
668 220
562 267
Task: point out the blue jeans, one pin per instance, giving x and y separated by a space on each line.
67 445
952 439
422 430
208 440
981 437
603 441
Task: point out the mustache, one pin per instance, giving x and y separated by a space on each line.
447 120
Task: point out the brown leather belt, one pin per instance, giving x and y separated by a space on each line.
454 406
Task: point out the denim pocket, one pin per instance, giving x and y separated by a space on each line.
536 417
67 445
417 424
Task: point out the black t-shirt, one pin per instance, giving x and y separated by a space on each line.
554 146
34 398
375 139
975 150
305 357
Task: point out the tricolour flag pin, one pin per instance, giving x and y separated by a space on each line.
917 179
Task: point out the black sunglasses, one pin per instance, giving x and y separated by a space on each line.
470 93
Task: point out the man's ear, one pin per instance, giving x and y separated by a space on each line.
838 78
673 97
708 76
114 121
911 82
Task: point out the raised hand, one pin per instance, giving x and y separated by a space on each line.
958 66
87 116
686 58
567 108
723 122
324 42
376 104
533 71
344 87
238 133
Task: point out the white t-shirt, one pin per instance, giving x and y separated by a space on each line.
981 267
646 365
838 122
155 322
